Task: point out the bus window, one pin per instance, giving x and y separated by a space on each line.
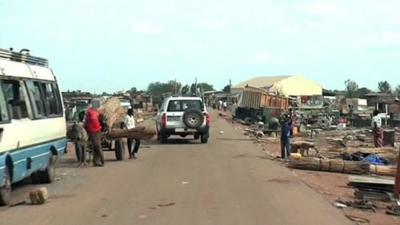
3 107
58 99
52 104
37 100
15 99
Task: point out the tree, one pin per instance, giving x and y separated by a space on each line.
193 88
397 91
185 90
361 92
351 88
384 87
158 88
205 87
227 89
133 90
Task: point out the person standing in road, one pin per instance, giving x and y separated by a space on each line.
376 125
225 105
80 137
286 134
130 123
93 127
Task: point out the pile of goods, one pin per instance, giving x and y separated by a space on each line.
113 112
114 115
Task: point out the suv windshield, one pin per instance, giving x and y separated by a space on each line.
182 105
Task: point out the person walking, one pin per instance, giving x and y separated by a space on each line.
79 136
225 105
130 123
286 134
94 128
376 125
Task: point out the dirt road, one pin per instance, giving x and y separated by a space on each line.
227 181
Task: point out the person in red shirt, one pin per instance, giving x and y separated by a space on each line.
93 127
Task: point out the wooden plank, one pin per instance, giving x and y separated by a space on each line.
370 180
263 100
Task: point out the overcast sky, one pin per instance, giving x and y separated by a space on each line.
109 45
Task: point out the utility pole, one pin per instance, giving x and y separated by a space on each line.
195 86
175 87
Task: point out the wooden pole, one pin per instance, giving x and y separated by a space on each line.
397 184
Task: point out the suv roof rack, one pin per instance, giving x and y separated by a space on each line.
23 56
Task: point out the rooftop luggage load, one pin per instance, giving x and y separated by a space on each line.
23 56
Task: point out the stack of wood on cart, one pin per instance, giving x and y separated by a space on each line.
138 133
114 115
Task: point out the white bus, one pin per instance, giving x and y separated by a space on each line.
32 120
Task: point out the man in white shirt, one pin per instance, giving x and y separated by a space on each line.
130 123
219 104
376 125
224 105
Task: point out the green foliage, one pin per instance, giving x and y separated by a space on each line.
185 90
205 87
361 92
351 88
193 89
227 89
133 90
397 91
384 87
158 88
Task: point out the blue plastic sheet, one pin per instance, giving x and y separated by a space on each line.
374 160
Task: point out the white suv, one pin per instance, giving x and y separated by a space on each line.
183 116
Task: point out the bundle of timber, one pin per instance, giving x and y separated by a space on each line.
383 170
113 112
368 150
332 165
136 133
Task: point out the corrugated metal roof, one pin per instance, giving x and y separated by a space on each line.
261 82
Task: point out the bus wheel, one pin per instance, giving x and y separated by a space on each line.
5 191
48 175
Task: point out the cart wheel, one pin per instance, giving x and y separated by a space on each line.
120 149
